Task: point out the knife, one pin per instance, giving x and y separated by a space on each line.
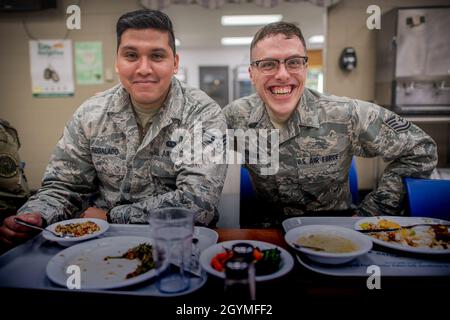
402 227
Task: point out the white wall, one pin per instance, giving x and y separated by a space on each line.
229 202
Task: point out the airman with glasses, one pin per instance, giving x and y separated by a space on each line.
319 135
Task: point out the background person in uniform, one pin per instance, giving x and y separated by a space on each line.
114 158
13 183
319 135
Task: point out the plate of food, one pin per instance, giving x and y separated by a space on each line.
271 261
430 236
105 263
79 229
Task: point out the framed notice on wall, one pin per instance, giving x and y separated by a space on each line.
51 68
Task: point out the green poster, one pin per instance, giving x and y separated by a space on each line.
89 62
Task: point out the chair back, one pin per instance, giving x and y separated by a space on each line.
353 182
428 198
246 187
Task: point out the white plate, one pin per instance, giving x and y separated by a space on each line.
287 262
403 221
69 241
96 273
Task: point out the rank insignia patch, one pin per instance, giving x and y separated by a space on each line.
397 124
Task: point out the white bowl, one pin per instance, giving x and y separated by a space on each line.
206 237
363 243
66 242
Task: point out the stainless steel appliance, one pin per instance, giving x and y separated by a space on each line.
413 61
214 81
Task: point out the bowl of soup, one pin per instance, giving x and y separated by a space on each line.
328 244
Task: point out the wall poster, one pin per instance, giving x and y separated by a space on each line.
51 68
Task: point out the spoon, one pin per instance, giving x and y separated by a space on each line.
27 224
300 246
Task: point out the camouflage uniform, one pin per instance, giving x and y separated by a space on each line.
316 151
101 161
13 184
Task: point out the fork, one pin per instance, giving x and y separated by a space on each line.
29 225
402 227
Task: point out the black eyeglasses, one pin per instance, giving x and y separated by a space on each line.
270 66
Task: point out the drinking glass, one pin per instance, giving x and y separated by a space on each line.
171 231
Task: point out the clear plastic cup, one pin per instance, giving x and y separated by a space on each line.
171 231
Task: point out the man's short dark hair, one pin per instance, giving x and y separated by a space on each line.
145 19
272 29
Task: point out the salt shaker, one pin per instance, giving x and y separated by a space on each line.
240 273
243 250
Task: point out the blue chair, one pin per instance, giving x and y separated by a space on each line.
353 181
246 187
428 198
248 194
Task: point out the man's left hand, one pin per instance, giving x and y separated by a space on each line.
95 213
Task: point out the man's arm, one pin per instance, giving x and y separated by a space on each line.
68 179
12 233
198 190
408 150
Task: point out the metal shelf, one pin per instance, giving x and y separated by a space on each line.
428 119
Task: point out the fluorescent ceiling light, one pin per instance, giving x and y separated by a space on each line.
250 20
316 39
236 41
177 42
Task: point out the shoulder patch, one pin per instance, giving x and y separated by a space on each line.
397 124
8 166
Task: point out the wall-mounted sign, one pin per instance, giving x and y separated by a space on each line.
89 62
51 68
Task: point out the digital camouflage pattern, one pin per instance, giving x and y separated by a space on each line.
101 161
13 184
317 147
